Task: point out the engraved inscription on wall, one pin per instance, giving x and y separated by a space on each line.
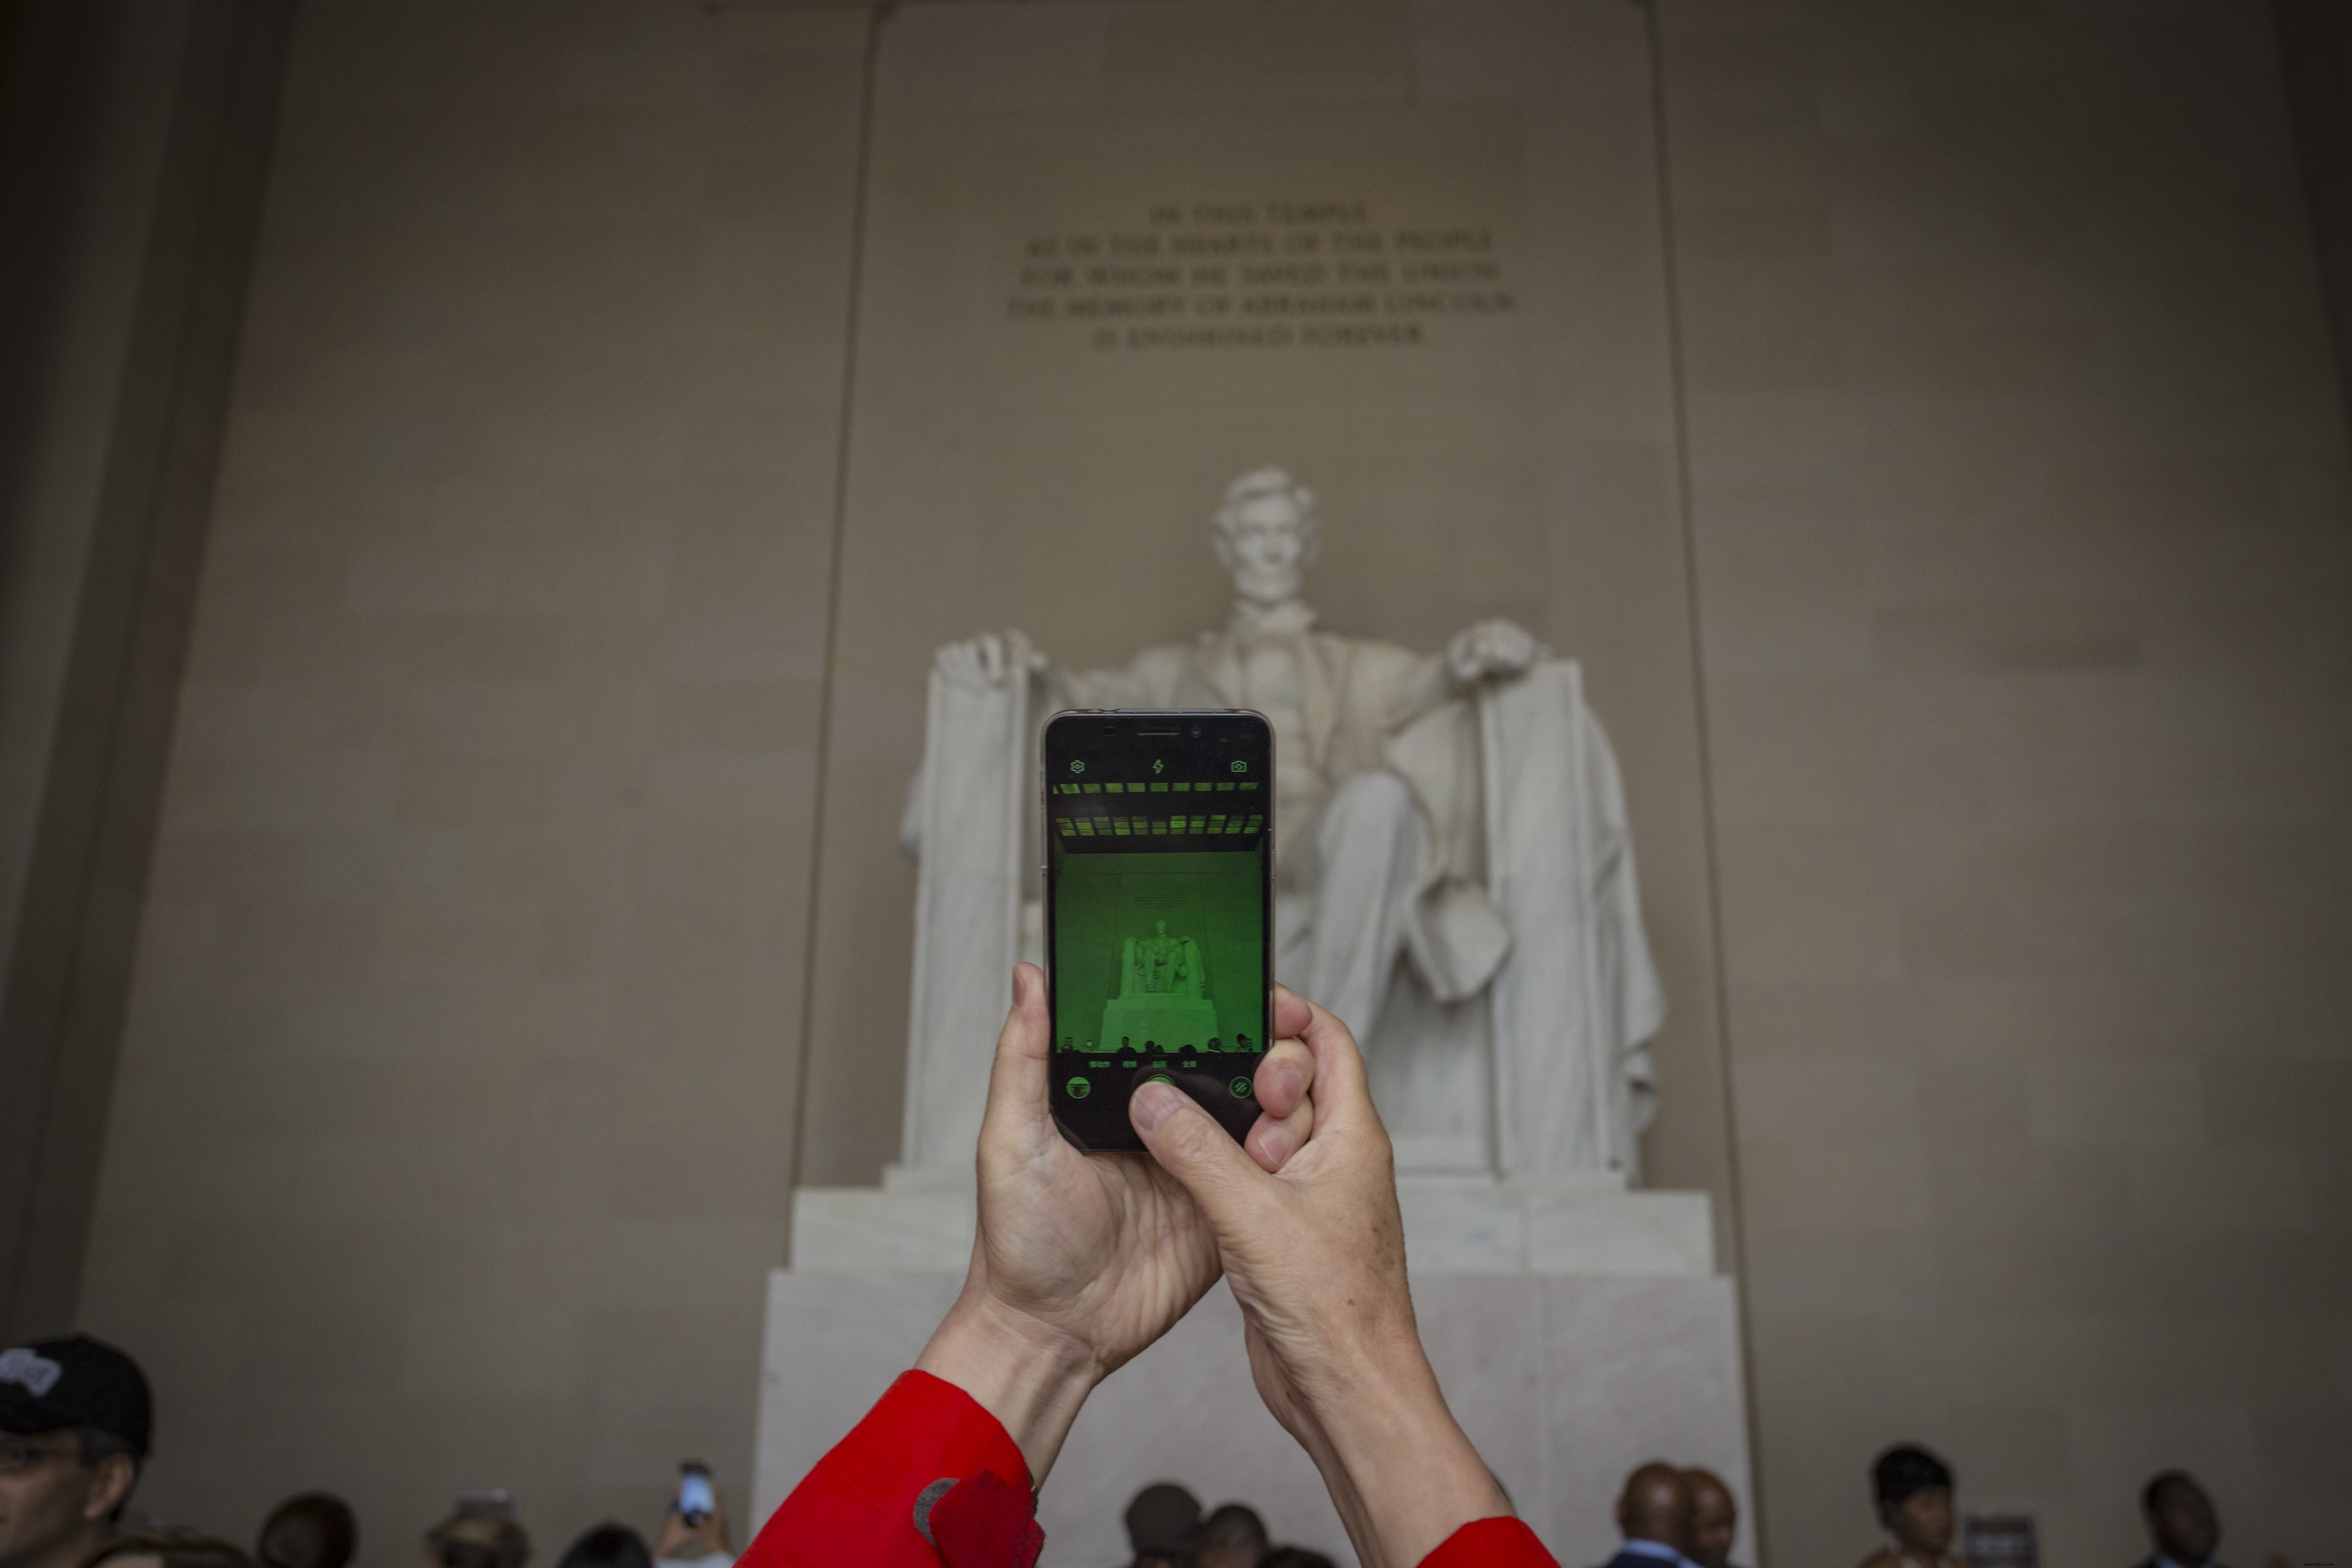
1259 275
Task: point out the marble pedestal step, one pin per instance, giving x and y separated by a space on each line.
1564 1384
1452 1225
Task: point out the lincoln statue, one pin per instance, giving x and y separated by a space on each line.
1453 873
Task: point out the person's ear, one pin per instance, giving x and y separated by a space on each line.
1224 545
110 1486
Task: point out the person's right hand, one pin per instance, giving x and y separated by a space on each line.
1314 1253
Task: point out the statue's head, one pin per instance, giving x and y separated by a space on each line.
1265 534
1161 926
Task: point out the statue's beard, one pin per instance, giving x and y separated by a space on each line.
1268 584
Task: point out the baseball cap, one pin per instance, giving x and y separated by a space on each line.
75 1380
1164 1518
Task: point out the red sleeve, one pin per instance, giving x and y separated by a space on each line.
1490 1543
858 1504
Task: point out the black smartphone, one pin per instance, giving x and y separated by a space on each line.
1159 834
696 1501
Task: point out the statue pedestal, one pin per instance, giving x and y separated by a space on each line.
922 1218
1578 1329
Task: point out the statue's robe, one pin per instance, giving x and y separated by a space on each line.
1521 922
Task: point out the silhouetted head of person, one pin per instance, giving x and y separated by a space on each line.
1913 1489
1656 1506
2181 1519
477 1541
1295 1557
608 1545
1234 1537
170 1546
313 1529
1163 1527
1714 1518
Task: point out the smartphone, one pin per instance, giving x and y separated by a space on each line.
1158 835
696 1501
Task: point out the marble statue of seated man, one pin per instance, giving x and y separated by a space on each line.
1160 1006
1358 848
1440 811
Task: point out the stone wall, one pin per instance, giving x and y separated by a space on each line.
453 1133
2018 475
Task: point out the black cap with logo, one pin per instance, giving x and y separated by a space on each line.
76 1382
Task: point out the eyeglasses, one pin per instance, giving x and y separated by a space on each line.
18 1457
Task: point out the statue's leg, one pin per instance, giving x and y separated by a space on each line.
1368 844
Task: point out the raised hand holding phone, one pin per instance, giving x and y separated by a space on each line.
1313 1245
694 1526
1080 1260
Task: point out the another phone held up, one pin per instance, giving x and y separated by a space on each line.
1159 833
696 1501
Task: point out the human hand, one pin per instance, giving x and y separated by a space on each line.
1080 1260
991 659
1492 647
680 1539
1313 1246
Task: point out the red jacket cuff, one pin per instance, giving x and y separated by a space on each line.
1491 1544
858 1504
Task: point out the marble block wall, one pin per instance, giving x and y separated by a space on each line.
1564 1384
2019 502
451 1136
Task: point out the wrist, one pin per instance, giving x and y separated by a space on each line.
1413 1471
1032 1377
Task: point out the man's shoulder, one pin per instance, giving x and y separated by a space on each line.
1624 1558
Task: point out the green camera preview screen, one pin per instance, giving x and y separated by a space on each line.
1159 926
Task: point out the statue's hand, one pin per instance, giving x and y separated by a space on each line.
988 660
1492 649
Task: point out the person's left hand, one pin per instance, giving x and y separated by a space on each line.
1492 647
1081 1260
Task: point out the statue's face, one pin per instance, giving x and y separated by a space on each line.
1267 547
1162 926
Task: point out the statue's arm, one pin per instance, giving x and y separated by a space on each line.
1095 689
1413 685
1418 685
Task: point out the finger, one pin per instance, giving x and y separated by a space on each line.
1341 1088
1283 1077
1016 1082
1201 1155
1291 1012
1272 1140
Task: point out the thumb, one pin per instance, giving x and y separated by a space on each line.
1016 1082
1192 1148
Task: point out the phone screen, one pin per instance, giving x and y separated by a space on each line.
1158 835
694 1500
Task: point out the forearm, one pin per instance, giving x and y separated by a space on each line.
1428 684
1400 1470
1033 1380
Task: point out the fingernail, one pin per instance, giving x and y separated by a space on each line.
1277 1144
1292 1082
1020 987
1153 1104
